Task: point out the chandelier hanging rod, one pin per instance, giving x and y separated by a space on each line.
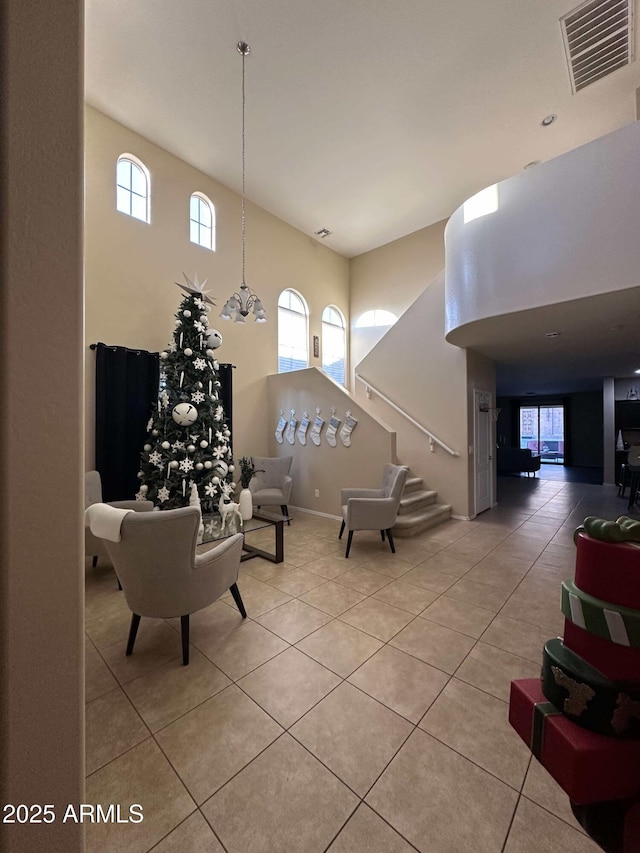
246 300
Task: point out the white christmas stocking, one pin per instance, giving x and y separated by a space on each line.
280 429
290 434
347 428
302 429
316 429
332 429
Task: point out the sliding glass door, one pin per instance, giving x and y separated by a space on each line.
542 431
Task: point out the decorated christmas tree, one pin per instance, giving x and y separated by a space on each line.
187 435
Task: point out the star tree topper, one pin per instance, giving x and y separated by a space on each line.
196 288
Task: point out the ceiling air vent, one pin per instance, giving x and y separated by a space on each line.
598 38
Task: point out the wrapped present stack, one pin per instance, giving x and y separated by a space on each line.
581 719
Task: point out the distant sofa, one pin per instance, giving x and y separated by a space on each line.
513 460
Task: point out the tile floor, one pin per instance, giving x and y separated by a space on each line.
362 706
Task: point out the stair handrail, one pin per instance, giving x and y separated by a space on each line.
433 439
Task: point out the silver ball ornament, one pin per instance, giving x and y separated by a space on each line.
191 448
144 489
188 352
215 480
164 355
214 338
154 432
165 445
208 463
199 466
209 353
147 447
186 313
173 464
204 443
231 469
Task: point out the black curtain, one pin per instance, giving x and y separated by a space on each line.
126 389
226 395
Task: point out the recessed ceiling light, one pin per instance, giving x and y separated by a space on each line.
532 163
552 334
547 120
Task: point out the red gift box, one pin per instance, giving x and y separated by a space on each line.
588 766
609 571
619 663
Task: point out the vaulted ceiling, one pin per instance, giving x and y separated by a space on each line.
370 118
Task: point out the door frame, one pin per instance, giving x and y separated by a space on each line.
483 407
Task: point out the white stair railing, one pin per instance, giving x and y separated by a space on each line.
433 439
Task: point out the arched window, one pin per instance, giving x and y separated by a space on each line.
375 319
293 333
132 187
333 344
202 221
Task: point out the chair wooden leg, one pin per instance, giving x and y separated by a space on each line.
341 530
235 592
390 538
382 535
285 511
94 562
349 544
133 630
184 629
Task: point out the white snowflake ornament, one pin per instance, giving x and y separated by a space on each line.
163 494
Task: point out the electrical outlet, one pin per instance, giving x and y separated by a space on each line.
317 493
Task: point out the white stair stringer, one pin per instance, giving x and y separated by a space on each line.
418 510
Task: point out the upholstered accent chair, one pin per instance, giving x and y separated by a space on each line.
154 555
94 547
374 509
271 484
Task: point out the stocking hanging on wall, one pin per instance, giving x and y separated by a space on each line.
290 434
280 428
316 429
348 427
332 429
302 429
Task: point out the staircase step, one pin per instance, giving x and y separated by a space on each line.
416 500
415 522
412 484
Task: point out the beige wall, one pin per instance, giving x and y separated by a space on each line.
131 268
41 636
327 469
420 372
392 277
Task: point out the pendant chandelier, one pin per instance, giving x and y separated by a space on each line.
239 305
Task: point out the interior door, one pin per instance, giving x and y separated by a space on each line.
483 447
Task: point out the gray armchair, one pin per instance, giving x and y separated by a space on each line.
94 547
374 509
271 484
154 555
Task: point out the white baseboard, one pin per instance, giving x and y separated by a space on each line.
463 517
